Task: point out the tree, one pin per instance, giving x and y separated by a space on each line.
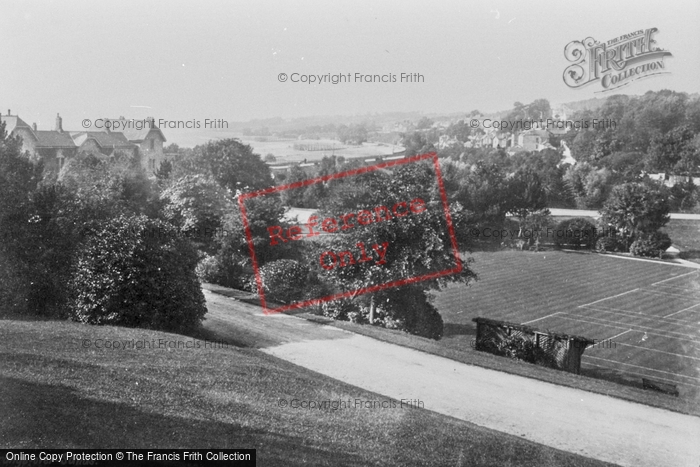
589 186
107 187
164 171
294 197
635 208
231 265
677 151
413 245
525 195
481 191
196 205
18 180
534 224
459 131
354 134
233 165
416 143
424 123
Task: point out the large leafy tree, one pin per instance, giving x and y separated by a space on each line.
233 165
677 151
196 204
525 194
481 191
413 245
634 209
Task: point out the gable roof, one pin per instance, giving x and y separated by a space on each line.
114 139
134 134
53 139
12 122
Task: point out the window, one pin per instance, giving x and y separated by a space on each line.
60 159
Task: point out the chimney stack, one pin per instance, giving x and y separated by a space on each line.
8 112
108 125
59 123
34 126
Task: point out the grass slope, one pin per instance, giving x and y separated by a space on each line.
58 390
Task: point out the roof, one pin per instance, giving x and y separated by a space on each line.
103 139
53 139
535 132
133 133
12 122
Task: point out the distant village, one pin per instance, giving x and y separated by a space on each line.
56 146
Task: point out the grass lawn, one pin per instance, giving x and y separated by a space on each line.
59 390
647 310
686 235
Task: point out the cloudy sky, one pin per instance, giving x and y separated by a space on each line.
193 60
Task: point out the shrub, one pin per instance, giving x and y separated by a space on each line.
608 244
221 269
135 271
339 309
577 232
520 348
283 280
409 309
650 244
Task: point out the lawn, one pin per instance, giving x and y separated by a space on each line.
685 234
646 313
60 387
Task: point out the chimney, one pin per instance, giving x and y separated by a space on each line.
59 123
8 112
34 126
108 125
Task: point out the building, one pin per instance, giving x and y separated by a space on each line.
147 136
55 147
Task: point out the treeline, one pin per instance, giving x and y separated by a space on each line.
658 132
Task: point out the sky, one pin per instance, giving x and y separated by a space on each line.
180 60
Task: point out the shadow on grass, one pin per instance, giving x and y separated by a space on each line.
454 329
690 255
608 374
46 416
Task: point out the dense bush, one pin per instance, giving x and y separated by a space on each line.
650 244
520 348
409 309
339 309
608 243
212 269
283 280
135 271
577 232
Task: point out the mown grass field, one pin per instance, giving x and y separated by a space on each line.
686 235
644 314
60 387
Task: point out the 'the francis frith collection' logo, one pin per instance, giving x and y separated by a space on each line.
614 63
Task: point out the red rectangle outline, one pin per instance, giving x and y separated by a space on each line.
363 290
